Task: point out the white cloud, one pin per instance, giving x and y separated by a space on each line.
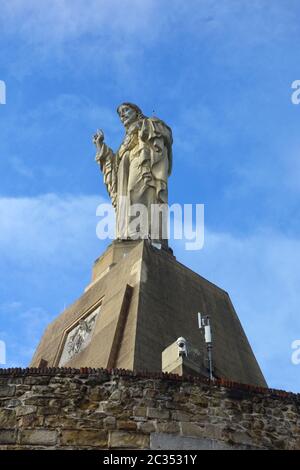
44 242
59 20
120 32
21 330
105 36
48 228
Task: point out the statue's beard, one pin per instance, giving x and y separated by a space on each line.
130 124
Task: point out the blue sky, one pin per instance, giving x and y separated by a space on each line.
220 74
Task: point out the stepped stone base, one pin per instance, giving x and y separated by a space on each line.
140 300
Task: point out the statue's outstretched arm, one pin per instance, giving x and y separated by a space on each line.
104 152
106 159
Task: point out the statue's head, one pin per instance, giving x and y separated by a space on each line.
129 113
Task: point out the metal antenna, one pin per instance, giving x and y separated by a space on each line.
204 324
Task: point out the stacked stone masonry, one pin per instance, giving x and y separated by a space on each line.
100 409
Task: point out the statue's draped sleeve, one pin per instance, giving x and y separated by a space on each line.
152 144
108 165
155 154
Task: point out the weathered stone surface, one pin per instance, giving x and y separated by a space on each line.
161 441
89 438
13 403
48 410
38 437
244 421
109 422
116 395
7 418
8 436
39 380
213 431
32 421
191 429
127 425
157 413
169 427
241 438
128 440
25 410
140 411
146 427
181 416
7 391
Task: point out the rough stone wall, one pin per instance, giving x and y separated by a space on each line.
99 409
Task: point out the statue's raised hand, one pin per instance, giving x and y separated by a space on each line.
98 139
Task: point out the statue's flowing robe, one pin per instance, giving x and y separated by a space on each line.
138 172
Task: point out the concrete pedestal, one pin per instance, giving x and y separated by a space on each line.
147 300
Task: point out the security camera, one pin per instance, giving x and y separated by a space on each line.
182 346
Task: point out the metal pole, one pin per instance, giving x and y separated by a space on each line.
209 351
204 324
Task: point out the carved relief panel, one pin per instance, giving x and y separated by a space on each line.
78 337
